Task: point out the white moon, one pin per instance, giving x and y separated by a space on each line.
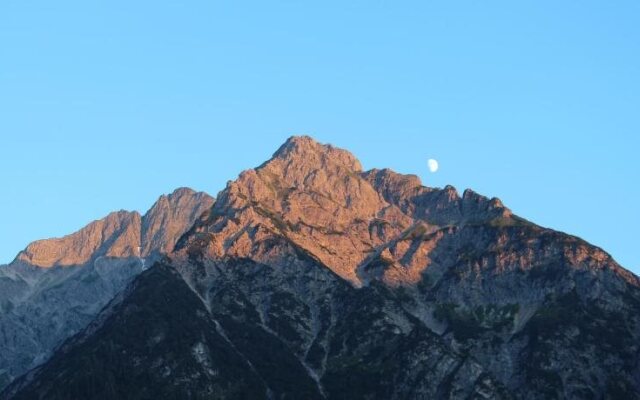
433 165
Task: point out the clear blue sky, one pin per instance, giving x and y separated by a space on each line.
108 104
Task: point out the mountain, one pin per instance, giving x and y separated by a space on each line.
55 287
311 278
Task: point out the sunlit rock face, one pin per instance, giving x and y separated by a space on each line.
123 234
56 286
170 217
318 197
311 278
116 235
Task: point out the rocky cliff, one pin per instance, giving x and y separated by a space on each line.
116 235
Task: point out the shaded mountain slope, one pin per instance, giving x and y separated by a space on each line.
145 336
297 331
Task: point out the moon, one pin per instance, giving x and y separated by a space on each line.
433 165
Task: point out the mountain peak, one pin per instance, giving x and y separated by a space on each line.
169 218
182 191
318 198
303 165
310 193
308 150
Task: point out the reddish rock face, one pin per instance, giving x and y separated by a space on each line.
116 235
123 234
169 218
318 197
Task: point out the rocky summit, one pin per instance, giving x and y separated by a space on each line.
309 278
